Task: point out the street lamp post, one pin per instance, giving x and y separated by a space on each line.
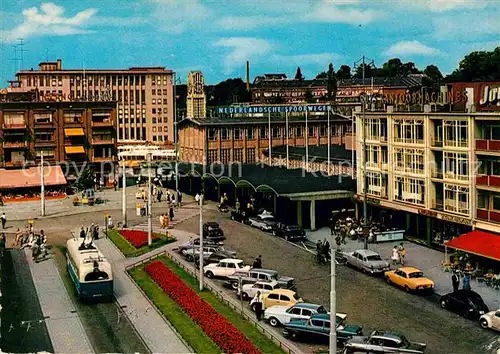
201 242
42 183
150 204
124 194
176 142
333 301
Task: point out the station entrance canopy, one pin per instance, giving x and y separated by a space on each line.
295 184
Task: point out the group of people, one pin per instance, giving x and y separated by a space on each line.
93 230
398 254
29 239
323 251
455 281
258 301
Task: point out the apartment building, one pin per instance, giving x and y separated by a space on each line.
144 95
434 174
77 132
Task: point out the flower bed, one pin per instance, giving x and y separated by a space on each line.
218 328
137 238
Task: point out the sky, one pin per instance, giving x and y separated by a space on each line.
219 36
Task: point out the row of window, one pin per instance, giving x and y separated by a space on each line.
226 158
277 132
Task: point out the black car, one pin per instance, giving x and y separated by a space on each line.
289 232
212 231
468 303
240 216
214 258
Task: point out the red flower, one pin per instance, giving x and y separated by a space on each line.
217 327
137 238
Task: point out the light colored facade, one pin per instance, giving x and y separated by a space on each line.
196 102
144 95
437 165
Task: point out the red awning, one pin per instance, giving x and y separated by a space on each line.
30 177
480 243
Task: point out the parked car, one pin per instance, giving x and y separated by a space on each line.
288 232
367 261
196 242
264 221
468 303
278 297
409 278
490 320
248 291
256 274
194 253
215 257
240 216
212 231
225 268
281 315
317 328
383 342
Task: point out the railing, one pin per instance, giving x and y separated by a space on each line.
102 124
438 205
104 159
456 176
488 215
436 142
437 173
17 144
456 143
488 145
45 143
409 141
235 306
98 141
14 125
456 207
45 124
487 180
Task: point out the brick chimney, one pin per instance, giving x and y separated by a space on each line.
59 64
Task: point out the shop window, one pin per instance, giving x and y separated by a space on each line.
250 134
224 134
237 133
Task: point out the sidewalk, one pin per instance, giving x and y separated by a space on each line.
158 335
426 259
63 324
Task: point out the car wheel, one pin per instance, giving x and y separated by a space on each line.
388 280
484 323
273 321
466 313
245 296
274 233
209 274
254 308
232 217
293 336
408 289
189 258
443 303
286 237
235 285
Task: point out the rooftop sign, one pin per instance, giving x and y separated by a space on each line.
273 109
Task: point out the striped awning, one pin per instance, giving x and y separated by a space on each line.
74 132
74 149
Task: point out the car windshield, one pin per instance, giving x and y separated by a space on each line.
240 265
296 296
374 257
404 342
416 275
273 276
321 309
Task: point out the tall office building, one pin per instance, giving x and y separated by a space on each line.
144 95
196 100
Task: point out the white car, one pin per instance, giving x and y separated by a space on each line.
194 252
490 320
225 268
282 315
250 290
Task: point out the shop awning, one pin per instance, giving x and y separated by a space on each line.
74 132
479 243
74 149
30 177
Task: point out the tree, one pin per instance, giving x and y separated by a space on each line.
433 77
344 73
331 85
226 92
85 180
309 96
478 66
298 74
369 71
392 68
322 75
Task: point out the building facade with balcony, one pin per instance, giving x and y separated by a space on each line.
435 174
144 95
79 132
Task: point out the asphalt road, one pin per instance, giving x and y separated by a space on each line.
367 301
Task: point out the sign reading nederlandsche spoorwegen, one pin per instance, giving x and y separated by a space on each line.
273 109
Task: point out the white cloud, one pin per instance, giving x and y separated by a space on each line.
177 16
241 50
48 20
466 27
250 22
405 48
307 59
335 14
446 5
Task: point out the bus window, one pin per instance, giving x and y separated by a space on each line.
96 276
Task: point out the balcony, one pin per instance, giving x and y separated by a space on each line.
42 143
456 143
14 145
488 145
101 141
102 124
437 173
438 205
488 181
13 126
104 159
408 141
44 124
436 142
17 163
488 215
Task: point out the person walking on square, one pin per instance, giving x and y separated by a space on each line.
455 281
179 197
171 212
395 255
257 304
4 220
466 283
82 232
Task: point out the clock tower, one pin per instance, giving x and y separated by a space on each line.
196 99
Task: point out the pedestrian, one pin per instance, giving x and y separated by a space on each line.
395 255
19 235
326 249
171 212
257 264
95 232
257 305
466 283
115 183
110 222
455 281
82 232
237 205
158 195
179 197
4 220
162 221
402 253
